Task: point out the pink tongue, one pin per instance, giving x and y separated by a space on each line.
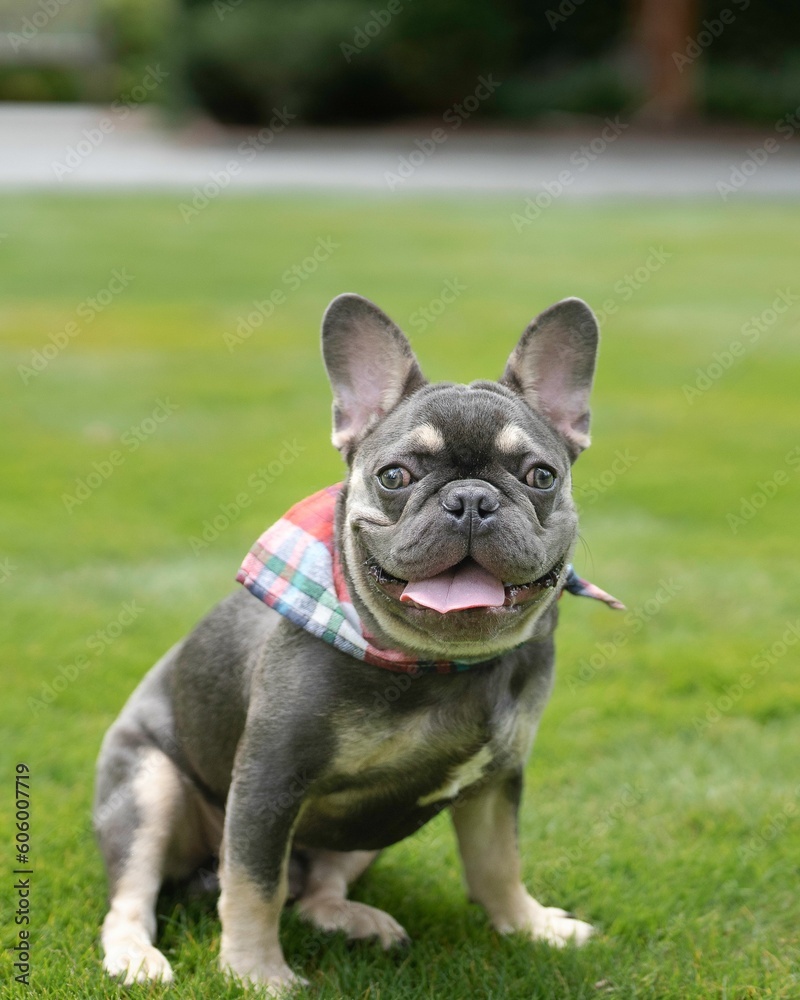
467 585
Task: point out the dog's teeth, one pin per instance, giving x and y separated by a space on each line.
380 574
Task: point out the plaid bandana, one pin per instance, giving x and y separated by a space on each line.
294 568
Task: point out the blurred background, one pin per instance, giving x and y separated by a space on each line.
333 62
183 189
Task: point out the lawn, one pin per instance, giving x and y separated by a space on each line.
163 401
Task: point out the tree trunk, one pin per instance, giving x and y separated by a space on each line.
663 31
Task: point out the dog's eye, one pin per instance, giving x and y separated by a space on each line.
541 478
394 478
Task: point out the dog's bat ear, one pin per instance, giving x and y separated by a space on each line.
552 368
370 365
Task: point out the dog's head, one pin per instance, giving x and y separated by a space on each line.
458 520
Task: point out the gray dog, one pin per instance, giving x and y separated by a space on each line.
395 662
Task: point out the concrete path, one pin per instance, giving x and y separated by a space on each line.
69 147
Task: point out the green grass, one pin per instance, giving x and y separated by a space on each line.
662 799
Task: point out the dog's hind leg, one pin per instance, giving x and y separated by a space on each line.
324 901
146 820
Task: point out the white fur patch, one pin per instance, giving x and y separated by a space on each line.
463 776
426 437
513 438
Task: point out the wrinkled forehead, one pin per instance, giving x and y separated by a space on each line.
471 421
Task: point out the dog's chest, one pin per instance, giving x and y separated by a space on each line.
390 775
441 757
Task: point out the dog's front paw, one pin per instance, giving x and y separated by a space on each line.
273 979
357 920
132 960
541 923
558 928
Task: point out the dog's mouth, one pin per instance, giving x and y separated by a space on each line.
466 586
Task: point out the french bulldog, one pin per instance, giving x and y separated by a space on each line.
389 657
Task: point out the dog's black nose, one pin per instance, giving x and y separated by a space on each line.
471 504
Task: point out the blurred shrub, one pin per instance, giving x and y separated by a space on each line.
34 83
136 34
349 61
118 41
742 91
341 60
355 61
593 86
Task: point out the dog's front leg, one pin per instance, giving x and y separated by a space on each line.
486 826
260 817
